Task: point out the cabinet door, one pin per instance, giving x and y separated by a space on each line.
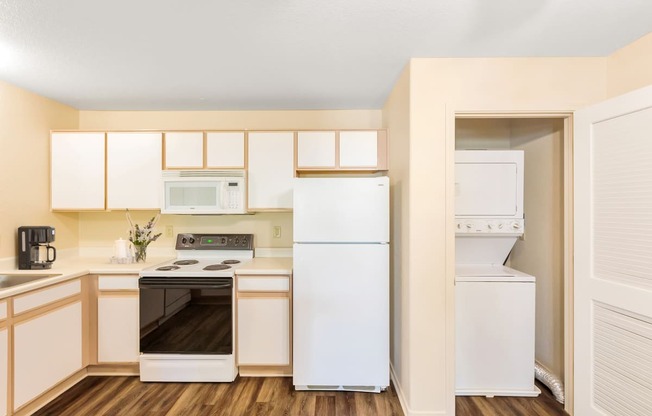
316 149
4 351
225 149
47 349
133 170
77 171
271 170
184 150
117 329
358 149
263 331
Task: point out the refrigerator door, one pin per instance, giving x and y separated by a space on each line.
341 315
342 210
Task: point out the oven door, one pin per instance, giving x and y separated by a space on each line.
181 315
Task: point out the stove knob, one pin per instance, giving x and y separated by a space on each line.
191 240
237 240
184 240
489 226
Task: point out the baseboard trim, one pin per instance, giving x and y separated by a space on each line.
113 370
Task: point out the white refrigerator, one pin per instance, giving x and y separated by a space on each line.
341 284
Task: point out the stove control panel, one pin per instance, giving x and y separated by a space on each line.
192 241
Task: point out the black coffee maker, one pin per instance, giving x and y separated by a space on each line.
34 249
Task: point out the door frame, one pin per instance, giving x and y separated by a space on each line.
567 116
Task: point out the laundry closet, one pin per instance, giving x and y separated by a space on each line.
539 251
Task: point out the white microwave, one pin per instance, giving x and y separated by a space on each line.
203 192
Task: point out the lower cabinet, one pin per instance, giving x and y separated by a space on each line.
4 375
264 325
47 350
117 319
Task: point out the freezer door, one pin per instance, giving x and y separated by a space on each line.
341 315
341 210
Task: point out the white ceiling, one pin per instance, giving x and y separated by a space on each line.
280 54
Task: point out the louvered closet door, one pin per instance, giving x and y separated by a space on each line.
613 257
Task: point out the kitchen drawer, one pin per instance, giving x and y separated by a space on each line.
42 297
117 282
263 284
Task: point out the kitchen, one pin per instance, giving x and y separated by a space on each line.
417 162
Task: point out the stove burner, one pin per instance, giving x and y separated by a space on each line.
185 262
231 262
167 268
217 267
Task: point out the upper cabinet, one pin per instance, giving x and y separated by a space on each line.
77 171
213 150
184 150
225 149
359 150
270 170
133 172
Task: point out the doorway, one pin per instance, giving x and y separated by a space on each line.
546 246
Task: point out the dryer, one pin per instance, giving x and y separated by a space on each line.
495 304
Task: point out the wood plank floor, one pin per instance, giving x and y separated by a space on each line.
252 396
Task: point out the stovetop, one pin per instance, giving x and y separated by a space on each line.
206 255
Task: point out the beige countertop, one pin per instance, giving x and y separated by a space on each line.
70 268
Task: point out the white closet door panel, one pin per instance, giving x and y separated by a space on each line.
184 150
134 170
358 149
47 349
77 171
316 149
271 170
225 149
117 332
613 266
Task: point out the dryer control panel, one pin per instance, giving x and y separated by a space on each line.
489 226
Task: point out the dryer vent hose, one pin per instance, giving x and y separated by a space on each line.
555 385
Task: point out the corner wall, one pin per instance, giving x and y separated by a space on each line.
26 121
630 67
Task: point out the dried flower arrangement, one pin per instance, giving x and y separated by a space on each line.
140 237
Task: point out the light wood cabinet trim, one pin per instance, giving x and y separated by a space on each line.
383 151
3 310
75 291
114 369
88 292
265 371
337 150
10 357
91 339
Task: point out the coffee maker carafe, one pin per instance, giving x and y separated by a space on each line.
34 249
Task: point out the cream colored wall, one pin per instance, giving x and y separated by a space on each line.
541 251
630 68
439 88
396 113
100 229
25 123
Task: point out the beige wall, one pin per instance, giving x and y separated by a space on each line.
396 113
25 123
438 88
101 228
630 68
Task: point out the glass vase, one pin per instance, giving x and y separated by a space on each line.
140 252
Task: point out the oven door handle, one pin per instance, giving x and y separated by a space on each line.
166 284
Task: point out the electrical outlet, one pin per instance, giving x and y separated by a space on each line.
169 231
276 231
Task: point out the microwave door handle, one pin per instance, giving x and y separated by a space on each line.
223 195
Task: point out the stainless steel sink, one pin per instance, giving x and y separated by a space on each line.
10 280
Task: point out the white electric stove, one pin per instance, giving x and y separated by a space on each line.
187 309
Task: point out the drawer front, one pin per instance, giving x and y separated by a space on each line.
118 282
264 284
45 296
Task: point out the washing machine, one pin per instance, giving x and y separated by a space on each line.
495 304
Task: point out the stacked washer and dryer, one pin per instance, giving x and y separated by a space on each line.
495 304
